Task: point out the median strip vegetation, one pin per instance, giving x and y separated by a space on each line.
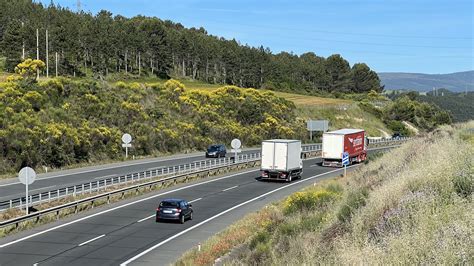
411 205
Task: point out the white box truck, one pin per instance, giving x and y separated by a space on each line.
281 160
335 143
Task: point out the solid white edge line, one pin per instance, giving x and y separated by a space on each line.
104 177
41 188
195 200
229 188
93 239
146 218
222 213
122 206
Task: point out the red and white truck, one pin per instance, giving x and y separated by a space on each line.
335 143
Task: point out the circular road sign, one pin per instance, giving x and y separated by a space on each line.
27 175
235 143
126 138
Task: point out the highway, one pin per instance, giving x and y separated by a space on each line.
121 232
46 182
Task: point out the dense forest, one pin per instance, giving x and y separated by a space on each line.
102 44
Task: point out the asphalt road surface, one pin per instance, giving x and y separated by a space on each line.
126 232
47 182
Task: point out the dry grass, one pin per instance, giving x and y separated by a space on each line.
413 205
306 100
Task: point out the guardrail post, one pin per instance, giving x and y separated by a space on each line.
90 187
49 196
66 191
40 197
74 193
97 185
11 204
105 184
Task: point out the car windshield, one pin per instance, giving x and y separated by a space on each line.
213 148
173 204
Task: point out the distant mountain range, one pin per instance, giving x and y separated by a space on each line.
459 81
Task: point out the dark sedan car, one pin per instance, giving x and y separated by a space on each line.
174 209
217 151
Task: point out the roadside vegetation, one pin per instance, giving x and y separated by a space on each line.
405 206
59 122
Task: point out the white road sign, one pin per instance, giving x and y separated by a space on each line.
27 175
235 143
126 138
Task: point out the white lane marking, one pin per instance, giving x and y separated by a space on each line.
122 206
93 239
220 214
41 188
229 188
314 165
104 177
195 200
146 218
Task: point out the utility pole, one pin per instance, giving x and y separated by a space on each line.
56 62
37 52
151 65
47 55
139 64
23 45
126 68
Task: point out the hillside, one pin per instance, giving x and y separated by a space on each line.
340 112
60 122
457 82
404 206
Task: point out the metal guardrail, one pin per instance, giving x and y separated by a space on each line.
199 167
132 178
38 214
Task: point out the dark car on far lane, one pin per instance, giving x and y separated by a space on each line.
174 209
216 151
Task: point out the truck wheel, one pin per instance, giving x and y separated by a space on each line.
288 179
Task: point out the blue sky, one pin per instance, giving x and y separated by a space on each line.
424 36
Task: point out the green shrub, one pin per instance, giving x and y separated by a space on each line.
262 237
464 184
353 201
307 200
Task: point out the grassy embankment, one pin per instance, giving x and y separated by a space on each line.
406 207
341 113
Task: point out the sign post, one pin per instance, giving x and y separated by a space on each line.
316 125
235 144
27 176
345 161
126 138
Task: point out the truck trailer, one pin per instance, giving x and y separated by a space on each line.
281 160
335 143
